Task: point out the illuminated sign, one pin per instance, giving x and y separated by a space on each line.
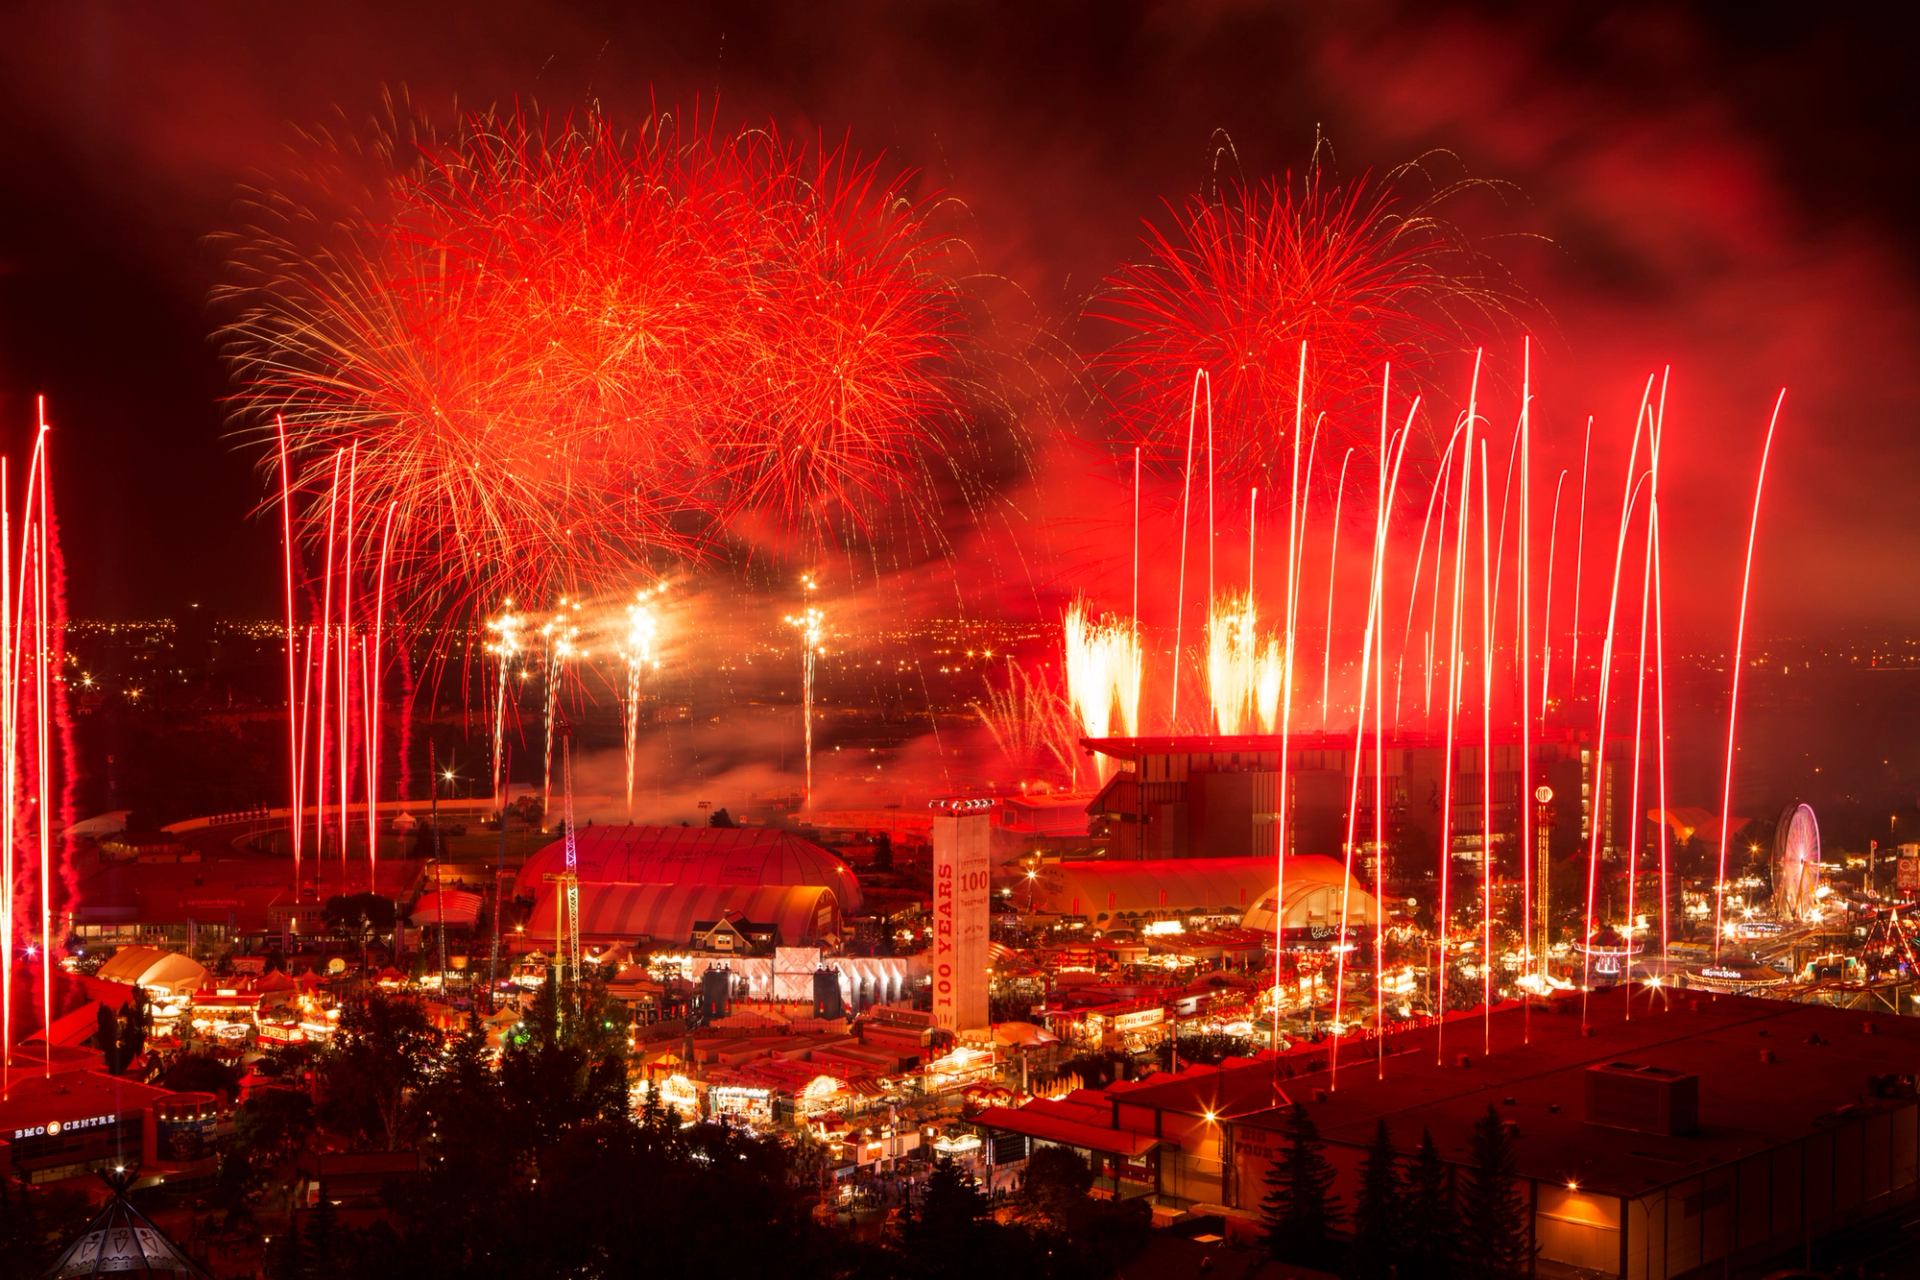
54 1128
1138 1019
1734 974
960 901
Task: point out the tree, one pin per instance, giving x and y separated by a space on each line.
1493 1218
1299 1206
1057 1181
947 1228
133 1027
122 1036
201 1073
106 1038
379 1059
1379 1213
1431 1238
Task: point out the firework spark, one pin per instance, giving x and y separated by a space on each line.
1236 281
561 350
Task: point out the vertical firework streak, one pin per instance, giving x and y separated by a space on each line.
504 648
1202 394
1524 656
1380 755
1635 817
1660 677
1733 695
1384 491
1486 769
1579 564
42 644
9 762
345 692
296 724
1333 564
1136 545
326 666
1436 497
642 635
1546 613
1295 530
810 623
370 688
26 622
1442 920
1628 496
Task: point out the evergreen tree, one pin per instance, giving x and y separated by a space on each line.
1057 1181
1431 1230
133 1027
951 1210
1493 1217
1299 1207
1379 1214
106 1038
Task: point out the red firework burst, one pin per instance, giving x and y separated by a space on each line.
1239 279
561 350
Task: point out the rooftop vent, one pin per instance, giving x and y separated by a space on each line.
1644 1099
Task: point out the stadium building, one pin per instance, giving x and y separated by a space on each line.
657 884
1216 796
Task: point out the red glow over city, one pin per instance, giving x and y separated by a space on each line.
851 646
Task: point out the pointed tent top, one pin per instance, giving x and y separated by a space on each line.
121 1241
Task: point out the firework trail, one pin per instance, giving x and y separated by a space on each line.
639 645
558 639
1333 562
1629 498
504 648
1739 655
1033 723
811 624
30 613
1392 453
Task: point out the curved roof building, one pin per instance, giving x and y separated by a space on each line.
1223 886
733 857
805 915
1314 890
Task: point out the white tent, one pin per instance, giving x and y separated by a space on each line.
150 967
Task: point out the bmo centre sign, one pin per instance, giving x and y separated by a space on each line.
54 1128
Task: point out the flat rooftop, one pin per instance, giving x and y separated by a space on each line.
1819 1065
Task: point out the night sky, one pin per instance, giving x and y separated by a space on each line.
1730 194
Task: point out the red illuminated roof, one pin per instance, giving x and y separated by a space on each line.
1039 1120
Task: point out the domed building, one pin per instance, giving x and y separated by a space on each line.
659 882
1105 890
1310 898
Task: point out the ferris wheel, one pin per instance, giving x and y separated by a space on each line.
1796 864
